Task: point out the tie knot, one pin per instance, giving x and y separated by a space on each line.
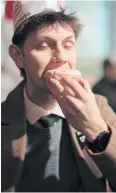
48 120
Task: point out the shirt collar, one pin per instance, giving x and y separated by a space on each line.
35 112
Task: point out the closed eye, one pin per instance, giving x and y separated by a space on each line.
68 44
42 45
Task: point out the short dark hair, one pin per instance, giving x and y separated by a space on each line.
106 64
41 20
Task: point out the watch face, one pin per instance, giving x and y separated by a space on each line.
103 140
100 143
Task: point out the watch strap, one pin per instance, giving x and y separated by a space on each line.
100 142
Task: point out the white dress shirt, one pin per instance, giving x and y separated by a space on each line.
35 112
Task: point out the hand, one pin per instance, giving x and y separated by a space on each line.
78 105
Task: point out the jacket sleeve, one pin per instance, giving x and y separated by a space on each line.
106 160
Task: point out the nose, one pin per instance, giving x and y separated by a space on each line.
59 53
58 58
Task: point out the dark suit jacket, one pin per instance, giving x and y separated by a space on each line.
106 88
97 171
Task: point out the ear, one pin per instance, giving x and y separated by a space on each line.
17 55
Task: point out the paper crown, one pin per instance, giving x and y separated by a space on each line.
25 9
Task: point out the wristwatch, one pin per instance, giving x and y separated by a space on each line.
100 142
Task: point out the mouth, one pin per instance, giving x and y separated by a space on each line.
61 71
58 67
64 66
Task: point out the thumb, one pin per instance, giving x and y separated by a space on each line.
54 86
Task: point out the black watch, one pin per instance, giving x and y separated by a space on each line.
100 143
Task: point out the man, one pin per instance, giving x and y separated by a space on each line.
76 150
107 85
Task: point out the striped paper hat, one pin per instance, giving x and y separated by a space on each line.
25 9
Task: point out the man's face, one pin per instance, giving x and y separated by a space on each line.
41 46
111 73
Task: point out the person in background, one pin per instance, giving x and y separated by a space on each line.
106 86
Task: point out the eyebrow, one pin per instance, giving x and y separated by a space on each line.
52 39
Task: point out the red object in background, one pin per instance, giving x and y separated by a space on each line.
9 9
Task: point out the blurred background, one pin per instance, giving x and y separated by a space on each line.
96 43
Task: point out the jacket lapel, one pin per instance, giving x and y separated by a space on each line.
90 174
13 110
14 138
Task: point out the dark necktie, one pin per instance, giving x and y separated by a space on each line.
49 120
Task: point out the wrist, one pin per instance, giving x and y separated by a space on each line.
100 143
97 128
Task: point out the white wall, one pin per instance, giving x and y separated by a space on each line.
112 25
92 41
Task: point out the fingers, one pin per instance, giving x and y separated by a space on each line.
58 89
55 87
74 103
58 92
76 87
68 103
85 84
